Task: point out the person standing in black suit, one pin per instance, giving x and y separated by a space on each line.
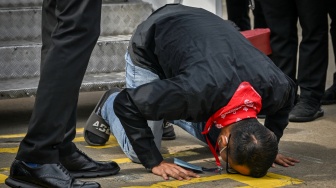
47 157
329 96
238 12
282 17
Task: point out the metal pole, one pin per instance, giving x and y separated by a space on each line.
219 8
251 4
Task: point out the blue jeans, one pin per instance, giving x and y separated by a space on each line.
136 76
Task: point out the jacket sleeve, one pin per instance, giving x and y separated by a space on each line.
160 99
278 121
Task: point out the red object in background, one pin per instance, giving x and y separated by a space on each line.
260 38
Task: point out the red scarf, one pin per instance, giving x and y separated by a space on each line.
245 103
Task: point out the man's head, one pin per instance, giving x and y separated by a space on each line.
251 147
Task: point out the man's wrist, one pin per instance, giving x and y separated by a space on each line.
149 169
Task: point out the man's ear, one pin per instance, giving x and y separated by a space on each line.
223 136
222 140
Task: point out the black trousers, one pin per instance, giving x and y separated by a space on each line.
70 29
282 17
238 12
332 15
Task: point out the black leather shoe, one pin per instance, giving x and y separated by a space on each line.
46 175
168 131
305 111
329 96
82 166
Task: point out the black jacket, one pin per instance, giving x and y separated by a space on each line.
201 59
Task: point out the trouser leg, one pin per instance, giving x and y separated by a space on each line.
332 15
281 17
65 55
259 17
238 12
313 51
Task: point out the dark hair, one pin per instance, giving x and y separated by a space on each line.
254 146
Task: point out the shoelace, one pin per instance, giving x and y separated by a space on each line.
63 169
90 159
84 154
167 124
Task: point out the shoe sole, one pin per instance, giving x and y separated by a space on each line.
11 182
318 114
169 138
168 131
261 116
328 102
86 174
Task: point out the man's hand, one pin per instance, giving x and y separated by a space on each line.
284 161
167 170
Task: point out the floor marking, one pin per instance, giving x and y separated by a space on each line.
122 160
111 143
78 131
2 178
168 155
119 161
9 150
4 169
180 154
12 136
270 180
